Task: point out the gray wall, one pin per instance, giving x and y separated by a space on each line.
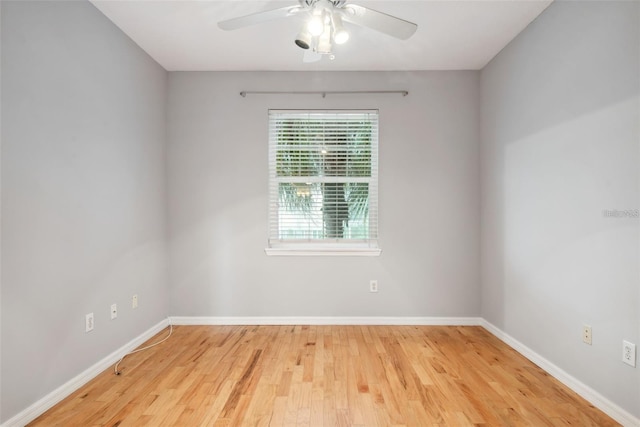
429 198
553 120
560 142
83 194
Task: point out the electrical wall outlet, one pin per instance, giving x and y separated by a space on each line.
629 353
586 334
134 301
114 311
88 322
373 286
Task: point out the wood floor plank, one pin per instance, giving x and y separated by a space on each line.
303 375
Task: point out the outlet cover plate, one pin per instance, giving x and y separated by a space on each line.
586 334
373 286
629 353
88 322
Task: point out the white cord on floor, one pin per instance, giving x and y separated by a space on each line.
115 368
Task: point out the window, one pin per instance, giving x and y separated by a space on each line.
323 182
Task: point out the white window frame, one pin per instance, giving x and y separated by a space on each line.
325 246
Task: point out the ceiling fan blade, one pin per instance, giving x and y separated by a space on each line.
311 56
259 17
390 25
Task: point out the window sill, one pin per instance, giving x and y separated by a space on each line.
323 251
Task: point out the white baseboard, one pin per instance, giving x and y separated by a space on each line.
422 321
589 394
51 399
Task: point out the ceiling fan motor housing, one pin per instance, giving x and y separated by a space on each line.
310 3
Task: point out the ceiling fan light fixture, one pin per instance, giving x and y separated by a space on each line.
315 25
304 39
340 35
324 43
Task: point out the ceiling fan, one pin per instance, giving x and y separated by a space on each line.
324 24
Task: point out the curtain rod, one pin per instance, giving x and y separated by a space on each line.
324 93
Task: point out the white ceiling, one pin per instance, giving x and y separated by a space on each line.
452 35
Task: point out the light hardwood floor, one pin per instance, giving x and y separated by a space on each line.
325 376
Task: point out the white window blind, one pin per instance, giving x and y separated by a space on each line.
323 180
